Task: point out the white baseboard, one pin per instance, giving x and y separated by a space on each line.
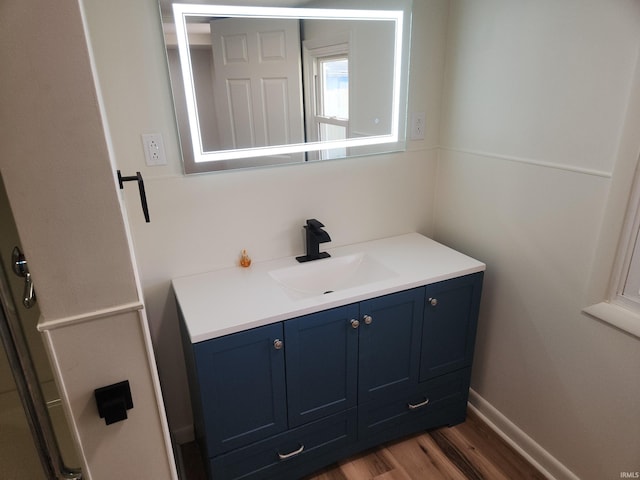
546 463
184 434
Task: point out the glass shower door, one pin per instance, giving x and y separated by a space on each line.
19 458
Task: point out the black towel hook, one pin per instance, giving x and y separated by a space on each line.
143 196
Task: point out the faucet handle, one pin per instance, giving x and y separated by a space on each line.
314 224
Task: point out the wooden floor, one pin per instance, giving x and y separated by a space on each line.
470 450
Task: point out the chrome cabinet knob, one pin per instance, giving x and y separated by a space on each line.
368 319
433 302
278 344
355 323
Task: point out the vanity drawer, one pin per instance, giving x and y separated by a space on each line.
278 453
420 409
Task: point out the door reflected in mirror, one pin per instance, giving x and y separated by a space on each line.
258 86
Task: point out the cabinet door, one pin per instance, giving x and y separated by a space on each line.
242 387
321 362
390 344
450 320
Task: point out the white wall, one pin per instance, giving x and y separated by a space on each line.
536 105
201 223
35 159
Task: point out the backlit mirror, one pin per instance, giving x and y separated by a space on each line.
257 86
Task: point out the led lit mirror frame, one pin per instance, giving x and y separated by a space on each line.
197 160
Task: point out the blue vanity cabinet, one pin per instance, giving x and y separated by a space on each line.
241 383
285 399
436 390
364 351
389 344
449 328
321 364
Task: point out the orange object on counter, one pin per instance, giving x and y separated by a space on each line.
245 261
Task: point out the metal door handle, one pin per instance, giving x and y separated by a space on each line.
21 269
29 295
143 196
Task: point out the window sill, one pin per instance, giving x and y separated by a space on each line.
620 317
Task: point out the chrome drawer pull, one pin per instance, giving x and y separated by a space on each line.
415 406
292 454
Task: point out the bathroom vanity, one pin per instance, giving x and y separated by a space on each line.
295 366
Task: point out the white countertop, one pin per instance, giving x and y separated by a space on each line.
230 300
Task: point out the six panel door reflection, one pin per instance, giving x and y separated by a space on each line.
258 83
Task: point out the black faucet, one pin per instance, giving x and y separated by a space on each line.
315 236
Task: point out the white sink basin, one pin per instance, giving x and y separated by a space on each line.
329 275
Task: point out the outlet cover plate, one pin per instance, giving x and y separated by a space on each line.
418 125
153 149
